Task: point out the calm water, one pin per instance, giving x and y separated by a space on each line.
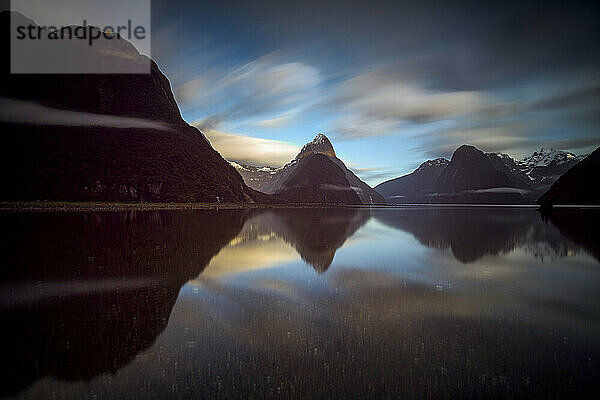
338 303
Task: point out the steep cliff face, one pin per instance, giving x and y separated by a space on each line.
112 137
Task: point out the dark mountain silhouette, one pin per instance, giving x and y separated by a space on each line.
415 186
472 169
476 177
105 136
471 176
86 301
276 180
578 185
316 179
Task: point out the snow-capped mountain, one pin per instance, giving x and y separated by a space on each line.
546 157
544 166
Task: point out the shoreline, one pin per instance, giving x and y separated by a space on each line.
57 206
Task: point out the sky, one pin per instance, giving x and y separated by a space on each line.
391 83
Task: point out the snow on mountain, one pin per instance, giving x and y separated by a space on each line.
546 157
433 163
544 166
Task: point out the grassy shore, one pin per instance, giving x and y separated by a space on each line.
57 206
50 206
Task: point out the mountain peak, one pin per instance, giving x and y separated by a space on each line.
320 138
467 151
466 148
319 145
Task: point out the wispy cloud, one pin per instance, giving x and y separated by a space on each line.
251 150
24 112
280 121
266 87
372 175
379 103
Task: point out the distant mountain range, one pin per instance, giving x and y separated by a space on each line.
315 175
120 137
472 176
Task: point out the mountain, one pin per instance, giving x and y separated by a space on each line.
302 177
471 169
258 178
88 311
545 166
316 179
474 176
471 176
320 145
415 186
109 137
578 185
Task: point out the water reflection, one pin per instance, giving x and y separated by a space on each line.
472 233
404 303
315 234
82 294
580 227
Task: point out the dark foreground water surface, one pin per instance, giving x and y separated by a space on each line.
305 303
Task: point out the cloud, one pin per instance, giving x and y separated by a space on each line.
373 175
328 186
499 138
584 96
251 150
266 86
577 145
24 112
280 121
515 138
378 103
274 122
500 190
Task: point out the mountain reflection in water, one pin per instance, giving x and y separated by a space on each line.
411 302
